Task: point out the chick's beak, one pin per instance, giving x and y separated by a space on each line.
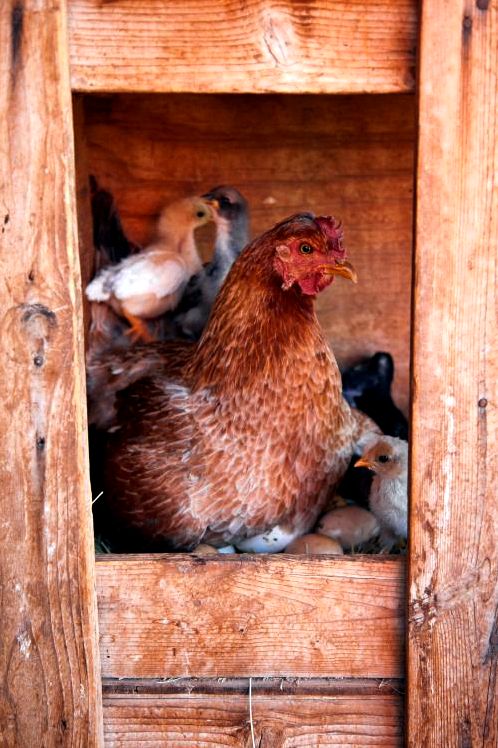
363 462
341 267
211 201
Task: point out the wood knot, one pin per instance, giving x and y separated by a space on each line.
278 36
37 322
37 310
482 4
467 26
482 402
16 25
423 611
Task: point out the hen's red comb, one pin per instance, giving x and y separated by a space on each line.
334 233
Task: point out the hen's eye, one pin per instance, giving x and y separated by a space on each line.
200 214
306 249
383 458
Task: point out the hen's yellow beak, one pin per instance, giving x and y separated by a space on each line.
343 268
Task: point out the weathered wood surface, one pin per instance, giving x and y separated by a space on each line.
166 616
351 714
350 156
453 625
252 47
49 670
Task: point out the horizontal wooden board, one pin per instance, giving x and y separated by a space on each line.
200 46
280 718
351 156
182 615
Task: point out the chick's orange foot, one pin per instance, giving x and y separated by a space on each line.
138 330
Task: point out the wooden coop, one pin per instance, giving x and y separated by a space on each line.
386 115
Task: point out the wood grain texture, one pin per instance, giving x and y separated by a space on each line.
252 47
49 670
350 156
181 615
280 720
453 624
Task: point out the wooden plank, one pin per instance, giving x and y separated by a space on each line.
251 47
351 156
49 666
453 624
181 615
280 719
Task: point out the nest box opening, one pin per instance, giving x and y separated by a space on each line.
351 156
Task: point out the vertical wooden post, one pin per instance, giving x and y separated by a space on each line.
453 626
50 685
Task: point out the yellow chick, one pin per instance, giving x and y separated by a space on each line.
315 544
147 284
351 526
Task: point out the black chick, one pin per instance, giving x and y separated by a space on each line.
108 235
112 246
367 386
232 235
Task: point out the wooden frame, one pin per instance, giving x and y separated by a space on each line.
453 590
251 616
49 658
324 47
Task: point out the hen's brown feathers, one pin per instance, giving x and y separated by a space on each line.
242 432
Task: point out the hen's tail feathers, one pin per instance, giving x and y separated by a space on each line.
109 372
112 246
109 237
106 330
112 370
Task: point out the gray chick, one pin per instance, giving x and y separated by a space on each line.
387 457
232 235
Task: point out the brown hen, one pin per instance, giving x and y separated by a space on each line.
237 439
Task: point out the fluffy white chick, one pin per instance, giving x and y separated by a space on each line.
387 457
151 282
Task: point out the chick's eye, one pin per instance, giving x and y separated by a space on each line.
306 249
224 202
200 214
383 458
